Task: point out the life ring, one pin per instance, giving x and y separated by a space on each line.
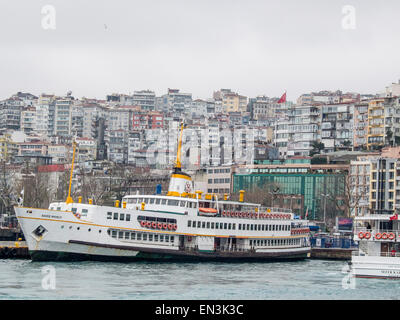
148 224
170 226
367 235
391 236
154 225
143 223
159 225
223 213
78 215
361 235
165 226
175 227
384 236
378 236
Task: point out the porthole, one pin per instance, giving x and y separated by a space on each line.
78 228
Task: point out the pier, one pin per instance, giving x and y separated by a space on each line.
325 246
14 250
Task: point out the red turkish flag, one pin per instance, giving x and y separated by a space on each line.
283 98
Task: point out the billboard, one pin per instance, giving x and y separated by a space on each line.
344 224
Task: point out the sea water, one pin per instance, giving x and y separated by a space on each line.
307 279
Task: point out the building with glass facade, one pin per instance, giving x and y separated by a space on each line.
299 177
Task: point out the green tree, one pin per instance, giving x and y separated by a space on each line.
317 147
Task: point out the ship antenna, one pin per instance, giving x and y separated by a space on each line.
69 198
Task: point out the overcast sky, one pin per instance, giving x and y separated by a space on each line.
253 47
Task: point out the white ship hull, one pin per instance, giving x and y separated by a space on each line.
59 235
375 267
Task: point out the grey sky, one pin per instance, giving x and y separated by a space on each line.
253 47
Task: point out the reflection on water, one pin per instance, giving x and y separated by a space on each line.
309 279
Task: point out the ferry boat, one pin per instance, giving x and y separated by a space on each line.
378 255
182 225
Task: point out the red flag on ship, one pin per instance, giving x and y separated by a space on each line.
395 217
283 98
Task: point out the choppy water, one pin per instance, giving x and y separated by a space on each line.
309 279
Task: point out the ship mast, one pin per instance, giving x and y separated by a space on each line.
69 198
180 184
178 163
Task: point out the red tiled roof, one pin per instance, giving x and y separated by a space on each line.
51 168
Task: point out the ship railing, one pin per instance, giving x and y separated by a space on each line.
390 254
382 254
274 210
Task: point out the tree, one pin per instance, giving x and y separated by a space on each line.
389 136
317 147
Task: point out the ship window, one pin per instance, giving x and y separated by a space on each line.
150 237
161 238
73 210
273 227
128 217
146 200
251 243
172 238
127 235
252 227
120 235
234 226
152 200
84 210
134 200
183 203
189 223
58 208
163 201
195 205
109 215
158 201
208 225
203 225
225 225
139 236
212 225
173 202
217 225
114 233
156 237
144 236
133 235
122 216
229 226
198 224
115 215
166 238
248 227
140 200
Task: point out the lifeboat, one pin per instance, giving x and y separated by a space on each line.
209 212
